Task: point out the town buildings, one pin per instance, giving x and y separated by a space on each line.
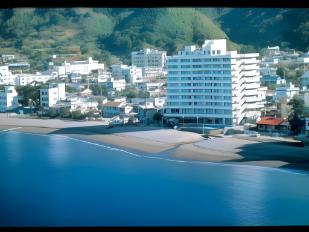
51 94
286 92
8 99
132 73
213 86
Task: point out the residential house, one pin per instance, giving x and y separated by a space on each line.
286 92
274 80
273 125
145 112
116 84
111 109
7 57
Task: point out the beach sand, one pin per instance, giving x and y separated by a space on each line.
262 151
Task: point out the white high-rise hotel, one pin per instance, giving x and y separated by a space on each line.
213 86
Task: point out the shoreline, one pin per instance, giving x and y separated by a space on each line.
180 145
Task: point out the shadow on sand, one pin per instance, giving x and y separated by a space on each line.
92 130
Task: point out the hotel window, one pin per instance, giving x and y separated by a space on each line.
197 60
218 52
184 60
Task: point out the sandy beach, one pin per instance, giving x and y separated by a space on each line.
261 151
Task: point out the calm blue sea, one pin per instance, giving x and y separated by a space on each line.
57 181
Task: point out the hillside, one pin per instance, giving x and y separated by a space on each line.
110 34
105 34
261 27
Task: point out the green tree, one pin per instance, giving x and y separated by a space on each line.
298 108
98 90
52 112
281 71
157 117
90 114
65 112
69 89
77 114
143 94
29 94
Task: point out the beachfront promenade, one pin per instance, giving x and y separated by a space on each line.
151 140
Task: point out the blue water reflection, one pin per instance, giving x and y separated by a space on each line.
53 180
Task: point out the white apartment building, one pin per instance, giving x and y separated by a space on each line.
8 98
26 79
213 86
50 95
6 76
149 58
132 73
116 84
84 67
150 72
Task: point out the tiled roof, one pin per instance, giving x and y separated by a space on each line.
270 121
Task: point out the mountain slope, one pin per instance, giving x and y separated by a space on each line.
265 26
108 34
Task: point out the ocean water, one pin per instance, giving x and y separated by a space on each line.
57 181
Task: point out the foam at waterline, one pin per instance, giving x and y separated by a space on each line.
167 159
11 129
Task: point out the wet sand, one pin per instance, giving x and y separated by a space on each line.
262 151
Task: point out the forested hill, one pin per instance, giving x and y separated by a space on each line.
262 26
109 34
